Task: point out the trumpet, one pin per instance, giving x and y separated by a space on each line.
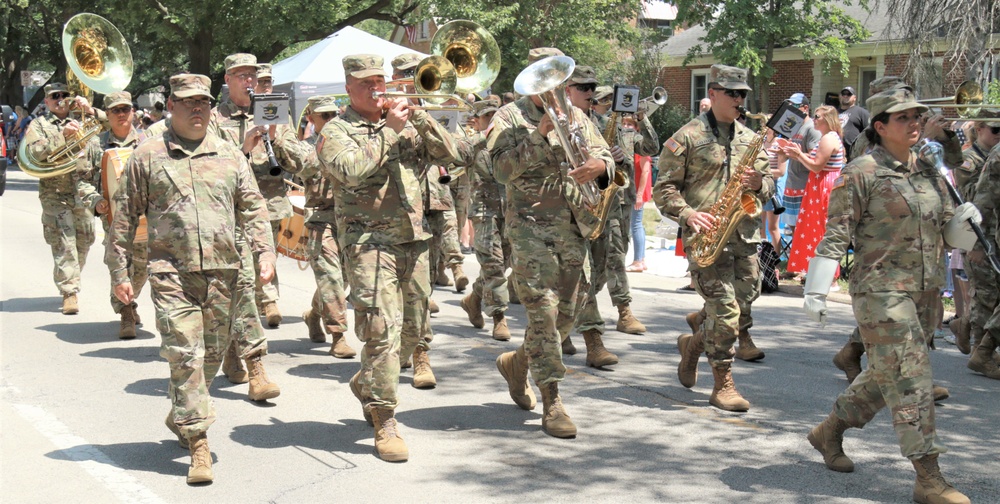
653 102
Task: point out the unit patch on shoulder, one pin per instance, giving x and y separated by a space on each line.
672 145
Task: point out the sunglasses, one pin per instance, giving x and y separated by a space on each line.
995 130
732 93
121 110
59 96
847 93
586 87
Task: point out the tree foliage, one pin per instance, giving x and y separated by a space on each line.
745 33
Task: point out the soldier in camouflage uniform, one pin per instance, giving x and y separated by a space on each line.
985 289
329 303
197 193
374 154
489 201
67 223
232 120
695 166
898 210
122 135
546 225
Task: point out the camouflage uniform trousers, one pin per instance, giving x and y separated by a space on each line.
248 334
552 270
137 270
193 318
324 257
461 194
390 285
985 293
493 253
895 327
607 259
69 231
444 247
268 293
729 288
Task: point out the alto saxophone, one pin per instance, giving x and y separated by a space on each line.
734 204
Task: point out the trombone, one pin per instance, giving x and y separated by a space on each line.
968 100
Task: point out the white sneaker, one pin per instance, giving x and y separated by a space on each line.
950 338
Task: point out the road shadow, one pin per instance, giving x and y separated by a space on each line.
21 185
52 304
336 370
132 353
157 387
878 486
85 333
156 457
320 436
489 416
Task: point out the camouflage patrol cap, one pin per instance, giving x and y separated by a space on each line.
239 60
323 103
990 114
894 100
264 70
888 82
603 92
113 100
55 87
187 85
729 77
543 52
405 61
583 74
360 66
483 107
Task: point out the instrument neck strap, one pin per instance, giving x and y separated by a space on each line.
975 145
714 124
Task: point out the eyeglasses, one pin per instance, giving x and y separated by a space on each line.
995 130
817 117
245 75
194 102
265 82
59 96
121 110
732 93
586 88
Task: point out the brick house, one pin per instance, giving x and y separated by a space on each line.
869 60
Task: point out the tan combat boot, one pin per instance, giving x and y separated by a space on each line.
423 375
135 314
747 350
442 278
848 360
232 366
597 355
432 307
473 306
627 323
931 487
169 422
513 366
261 388
356 390
70 305
828 439
567 346
315 324
388 443
694 320
201 460
982 360
939 393
127 329
691 348
339 348
272 314
963 333
500 330
555 420
724 394
461 281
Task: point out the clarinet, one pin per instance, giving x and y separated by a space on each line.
275 168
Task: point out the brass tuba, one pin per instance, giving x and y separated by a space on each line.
734 204
99 59
545 78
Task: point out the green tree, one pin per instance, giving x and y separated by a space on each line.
745 33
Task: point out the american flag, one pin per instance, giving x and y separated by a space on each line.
411 33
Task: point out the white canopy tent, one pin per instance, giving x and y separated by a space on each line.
319 70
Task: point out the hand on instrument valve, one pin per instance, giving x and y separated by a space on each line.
545 126
590 170
266 272
102 207
818 281
935 127
84 105
618 154
752 179
701 220
252 138
71 129
397 114
123 292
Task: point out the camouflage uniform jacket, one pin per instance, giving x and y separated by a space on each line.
89 185
895 212
967 175
377 171
644 142
531 166
489 196
437 196
231 123
952 148
987 195
194 203
44 136
693 175
301 154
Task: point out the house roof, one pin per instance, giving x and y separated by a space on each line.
876 22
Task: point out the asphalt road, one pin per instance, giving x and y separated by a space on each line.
82 412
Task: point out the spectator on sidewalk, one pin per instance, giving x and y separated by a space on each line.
853 118
643 193
807 139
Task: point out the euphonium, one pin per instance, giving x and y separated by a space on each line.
735 203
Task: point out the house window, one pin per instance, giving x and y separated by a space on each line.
699 88
867 76
664 25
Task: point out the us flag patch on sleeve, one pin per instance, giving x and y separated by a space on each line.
839 182
672 145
